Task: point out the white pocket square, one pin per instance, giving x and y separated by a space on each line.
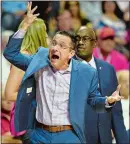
29 90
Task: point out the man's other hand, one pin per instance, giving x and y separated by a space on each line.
115 96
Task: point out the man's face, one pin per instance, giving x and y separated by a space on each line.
85 42
60 52
107 45
65 21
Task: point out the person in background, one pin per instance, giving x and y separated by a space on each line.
34 38
18 8
6 107
126 17
105 50
98 126
92 10
5 116
110 19
78 18
64 21
12 14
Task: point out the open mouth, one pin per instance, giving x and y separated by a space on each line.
55 57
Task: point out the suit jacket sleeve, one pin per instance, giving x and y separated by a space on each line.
118 126
95 99
13 55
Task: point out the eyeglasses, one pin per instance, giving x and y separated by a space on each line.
61 45
84 39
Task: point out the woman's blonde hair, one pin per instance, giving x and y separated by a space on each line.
35 37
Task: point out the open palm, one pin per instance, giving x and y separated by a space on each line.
115 96
30 17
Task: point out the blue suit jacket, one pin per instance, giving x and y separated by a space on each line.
83 89
100 125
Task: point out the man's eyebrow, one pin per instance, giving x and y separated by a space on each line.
86 36
62 42
82 36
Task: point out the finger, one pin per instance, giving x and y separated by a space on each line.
27 6
118 88
36 15
122 97
32 11
34 18
118 98
115 98
114 94
30 5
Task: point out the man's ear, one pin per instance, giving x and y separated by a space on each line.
72 53
95 44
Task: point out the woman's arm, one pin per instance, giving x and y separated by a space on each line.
13 83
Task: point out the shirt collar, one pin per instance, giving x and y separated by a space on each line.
91 62
68 70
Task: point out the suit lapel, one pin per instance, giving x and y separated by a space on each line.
74 76
100 73
73 83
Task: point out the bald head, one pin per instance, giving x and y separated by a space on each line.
89 31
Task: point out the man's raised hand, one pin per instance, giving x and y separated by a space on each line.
30 17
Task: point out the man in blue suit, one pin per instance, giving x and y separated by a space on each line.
55 91
99 126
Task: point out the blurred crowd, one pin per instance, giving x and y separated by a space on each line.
110 20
